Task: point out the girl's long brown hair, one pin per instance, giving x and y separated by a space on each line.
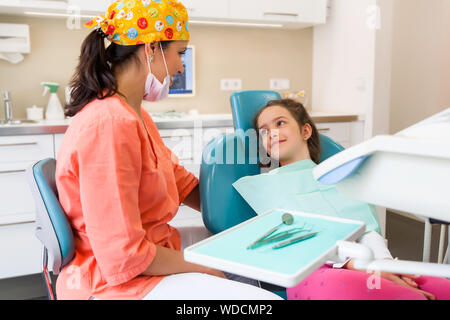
298 111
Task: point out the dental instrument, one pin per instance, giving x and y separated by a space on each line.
287 219
295 240
278 237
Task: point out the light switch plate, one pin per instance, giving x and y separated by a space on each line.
280 84
231 84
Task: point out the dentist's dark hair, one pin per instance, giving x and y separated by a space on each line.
94 76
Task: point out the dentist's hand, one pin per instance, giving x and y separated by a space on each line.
216 273
405 280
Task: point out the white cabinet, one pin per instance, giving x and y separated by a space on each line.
188 144
207 8
97 6
57 140
290 13
24 149
301 12
20 251
248 9
16 154
346 134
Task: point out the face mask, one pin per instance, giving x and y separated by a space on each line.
154 89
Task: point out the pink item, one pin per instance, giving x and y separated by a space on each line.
327 283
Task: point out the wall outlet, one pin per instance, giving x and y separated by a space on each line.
231 84
280 84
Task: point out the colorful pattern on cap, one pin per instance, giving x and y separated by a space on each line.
132 22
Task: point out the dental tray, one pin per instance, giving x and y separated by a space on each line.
227 251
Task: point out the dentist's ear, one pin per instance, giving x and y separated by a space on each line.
149 49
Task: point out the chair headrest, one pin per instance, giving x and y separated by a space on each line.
246 104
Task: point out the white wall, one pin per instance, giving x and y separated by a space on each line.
421 61
343 62
352 61
352 64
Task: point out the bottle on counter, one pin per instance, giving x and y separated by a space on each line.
54 108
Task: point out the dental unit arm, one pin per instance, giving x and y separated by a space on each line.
408 171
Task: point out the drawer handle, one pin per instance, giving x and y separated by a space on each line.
18 144
175 136
12 171
324 129
281 14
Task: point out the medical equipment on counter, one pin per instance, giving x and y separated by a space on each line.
35 113
54 108
408 171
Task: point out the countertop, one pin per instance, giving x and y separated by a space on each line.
163 123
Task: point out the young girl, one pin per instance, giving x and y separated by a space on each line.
290 137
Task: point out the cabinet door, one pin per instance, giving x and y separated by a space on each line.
248 9
17 204
304 11
338 131
97 6
186 217
179 141
207 8
24 149
58 138
20 251
17 153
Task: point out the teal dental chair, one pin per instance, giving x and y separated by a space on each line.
228 158
52 226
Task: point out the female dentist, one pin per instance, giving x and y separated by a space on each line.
117 182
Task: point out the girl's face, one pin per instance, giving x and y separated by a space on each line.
172 54
282 137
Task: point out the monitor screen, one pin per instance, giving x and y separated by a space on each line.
184 84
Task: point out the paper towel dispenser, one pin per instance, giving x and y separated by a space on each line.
14 40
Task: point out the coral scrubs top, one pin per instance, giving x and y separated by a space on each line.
119 186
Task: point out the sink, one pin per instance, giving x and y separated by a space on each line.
16 122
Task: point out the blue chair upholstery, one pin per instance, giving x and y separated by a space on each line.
52 226
246 104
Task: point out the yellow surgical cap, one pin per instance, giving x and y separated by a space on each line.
131 22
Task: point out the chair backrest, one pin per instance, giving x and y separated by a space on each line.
246 104
52 226
221 205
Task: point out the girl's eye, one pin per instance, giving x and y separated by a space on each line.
281 122
182 52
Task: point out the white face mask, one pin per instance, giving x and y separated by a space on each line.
154 89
